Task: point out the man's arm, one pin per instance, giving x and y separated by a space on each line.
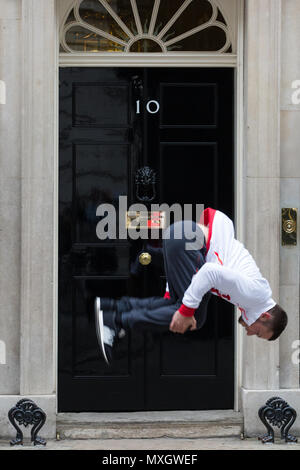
183 319
230 284
211 275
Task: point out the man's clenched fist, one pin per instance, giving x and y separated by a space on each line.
181 324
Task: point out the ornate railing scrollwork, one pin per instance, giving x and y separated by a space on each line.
277 412
26 413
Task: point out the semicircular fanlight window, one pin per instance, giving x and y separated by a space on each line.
96 15
82 40
123 9
210 39
145 26
145 9
196 14
145 45
166 11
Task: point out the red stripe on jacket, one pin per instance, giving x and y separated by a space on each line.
207 218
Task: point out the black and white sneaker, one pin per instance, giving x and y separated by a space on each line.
106 330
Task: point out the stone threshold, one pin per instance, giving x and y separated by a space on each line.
150 424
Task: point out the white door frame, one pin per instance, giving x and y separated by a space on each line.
172 60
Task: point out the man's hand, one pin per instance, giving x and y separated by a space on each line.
181 324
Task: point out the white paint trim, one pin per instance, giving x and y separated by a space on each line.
136 17
55 204
153 17
231 23
188 59
239 185
132 59
144 36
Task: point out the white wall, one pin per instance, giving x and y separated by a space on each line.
10 192
290 185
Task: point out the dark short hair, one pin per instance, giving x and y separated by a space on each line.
278 321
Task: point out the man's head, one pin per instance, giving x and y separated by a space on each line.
269 325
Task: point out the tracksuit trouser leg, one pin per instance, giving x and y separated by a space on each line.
155 313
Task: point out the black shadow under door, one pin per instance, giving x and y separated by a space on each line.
114 122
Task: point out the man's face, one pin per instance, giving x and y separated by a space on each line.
260 328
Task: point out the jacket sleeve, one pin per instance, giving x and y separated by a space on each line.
226 283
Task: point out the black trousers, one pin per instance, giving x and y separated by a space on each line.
182 260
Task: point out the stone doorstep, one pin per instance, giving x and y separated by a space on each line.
155 424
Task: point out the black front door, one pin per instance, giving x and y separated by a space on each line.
113 122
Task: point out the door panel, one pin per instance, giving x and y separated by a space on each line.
200 160
100 176
195 160
189 104
110 105
106 135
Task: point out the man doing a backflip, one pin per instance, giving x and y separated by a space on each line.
218 265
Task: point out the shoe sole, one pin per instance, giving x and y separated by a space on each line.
100 327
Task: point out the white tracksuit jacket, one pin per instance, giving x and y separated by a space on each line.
229 272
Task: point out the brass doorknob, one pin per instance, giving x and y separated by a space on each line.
145 258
